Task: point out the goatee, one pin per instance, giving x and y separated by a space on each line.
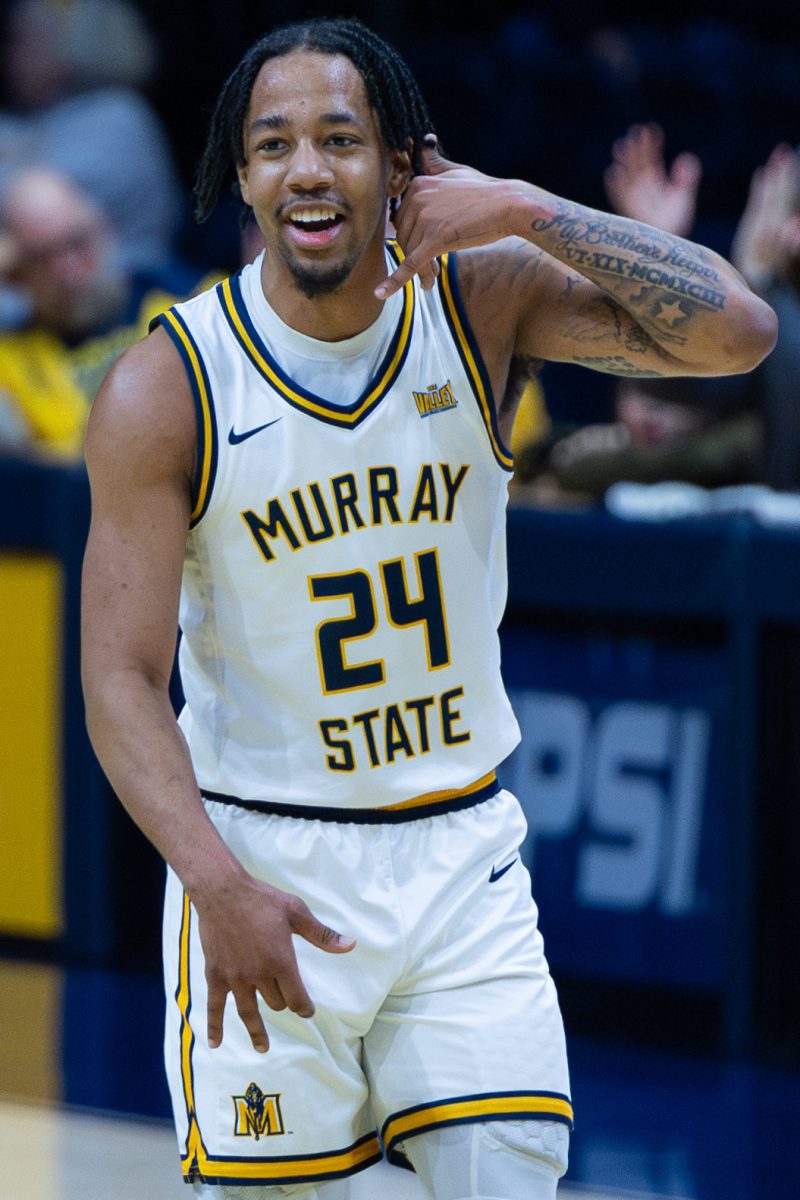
317 279
319 283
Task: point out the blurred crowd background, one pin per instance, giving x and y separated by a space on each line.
685 118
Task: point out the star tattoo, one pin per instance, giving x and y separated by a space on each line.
670 313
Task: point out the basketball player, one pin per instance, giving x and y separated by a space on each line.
310 461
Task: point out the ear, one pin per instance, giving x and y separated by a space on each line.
399 171
241 173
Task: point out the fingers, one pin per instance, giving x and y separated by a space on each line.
686 170
418 262
217 995
429 274
247 1008
286 989
642 147
782 157
650 145
428 271
303 922
271 975
273 997
277 995
433 161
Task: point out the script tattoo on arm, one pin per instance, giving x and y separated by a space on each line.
662 280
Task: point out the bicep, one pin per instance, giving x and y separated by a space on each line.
139 467
131 580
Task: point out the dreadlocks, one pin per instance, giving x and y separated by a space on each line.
392 90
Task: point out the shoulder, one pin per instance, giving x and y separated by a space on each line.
503 270
499 284
144 412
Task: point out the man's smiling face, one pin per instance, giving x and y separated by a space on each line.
317 171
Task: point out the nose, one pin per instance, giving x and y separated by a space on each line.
308 169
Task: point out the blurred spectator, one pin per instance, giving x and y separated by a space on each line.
708 431
656 439
766 246
72 72
638 181
766 249
87 307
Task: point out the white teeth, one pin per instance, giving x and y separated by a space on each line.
314 214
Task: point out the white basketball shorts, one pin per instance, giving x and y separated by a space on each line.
444 1012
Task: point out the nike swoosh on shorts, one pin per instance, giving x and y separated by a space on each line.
234 438
495 875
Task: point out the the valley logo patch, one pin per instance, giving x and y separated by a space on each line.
435 399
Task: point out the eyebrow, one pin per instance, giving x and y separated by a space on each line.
268 123
278 122
338 118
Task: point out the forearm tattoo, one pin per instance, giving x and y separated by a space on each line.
606 322
664 280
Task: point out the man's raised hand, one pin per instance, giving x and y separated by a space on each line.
449 207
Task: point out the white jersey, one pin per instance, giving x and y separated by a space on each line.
345 567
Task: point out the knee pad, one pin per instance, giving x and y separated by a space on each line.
547 1141
491 1160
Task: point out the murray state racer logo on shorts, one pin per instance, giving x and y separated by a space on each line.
258 1114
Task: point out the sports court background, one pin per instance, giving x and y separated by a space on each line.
654 667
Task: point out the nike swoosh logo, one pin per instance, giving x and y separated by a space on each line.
495 875
234 438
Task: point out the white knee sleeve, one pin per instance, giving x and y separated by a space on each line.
491 1160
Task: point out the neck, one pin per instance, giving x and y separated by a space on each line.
333 316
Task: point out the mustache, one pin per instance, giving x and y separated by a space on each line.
313 198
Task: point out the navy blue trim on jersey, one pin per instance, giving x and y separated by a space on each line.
231 301
359 816
207 451
470 354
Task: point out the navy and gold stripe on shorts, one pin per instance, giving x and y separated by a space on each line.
471 357
283 1169
427 805
197 1163
207 447
461 1110
194 1147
